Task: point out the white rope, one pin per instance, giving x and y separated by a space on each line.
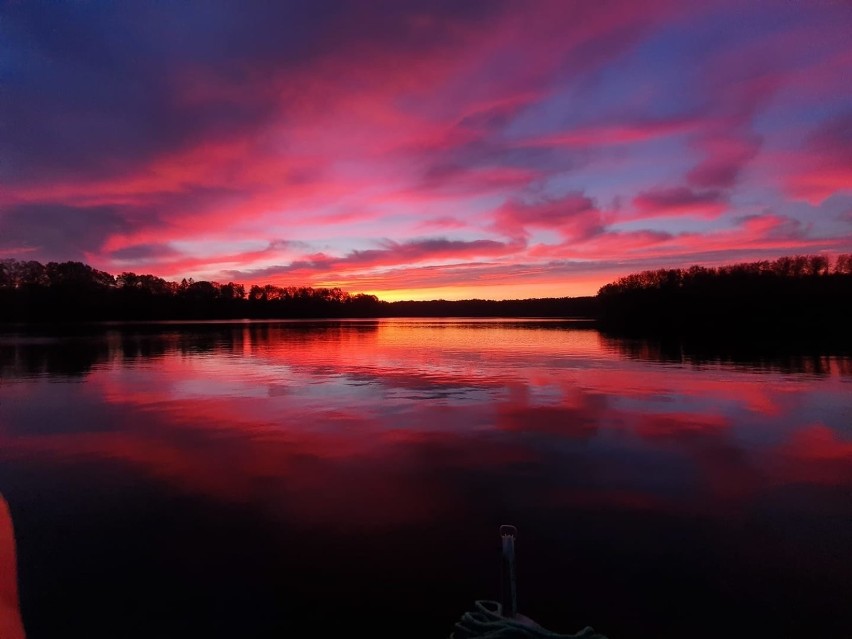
486 621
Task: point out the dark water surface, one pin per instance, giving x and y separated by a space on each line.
251 479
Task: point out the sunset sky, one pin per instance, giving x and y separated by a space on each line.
426 149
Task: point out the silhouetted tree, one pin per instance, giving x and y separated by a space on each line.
798 291
790 292
843 264
231 291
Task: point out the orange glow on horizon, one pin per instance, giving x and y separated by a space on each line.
491 292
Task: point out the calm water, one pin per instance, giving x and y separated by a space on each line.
246 479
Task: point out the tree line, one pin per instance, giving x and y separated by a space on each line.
73 291
805 290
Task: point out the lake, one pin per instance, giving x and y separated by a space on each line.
247 479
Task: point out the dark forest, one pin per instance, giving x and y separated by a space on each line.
767 295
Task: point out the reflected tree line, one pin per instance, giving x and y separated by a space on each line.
76 352
769 354
804 293
791 292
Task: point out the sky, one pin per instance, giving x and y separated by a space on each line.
424 149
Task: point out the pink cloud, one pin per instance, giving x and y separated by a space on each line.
396 123
574 216
444 222
580 266
724 160
391 254
615 133
825 166
679 201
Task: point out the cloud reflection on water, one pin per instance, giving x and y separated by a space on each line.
387 415
657 484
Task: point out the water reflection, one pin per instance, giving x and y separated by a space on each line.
321 446
794 356
39 353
